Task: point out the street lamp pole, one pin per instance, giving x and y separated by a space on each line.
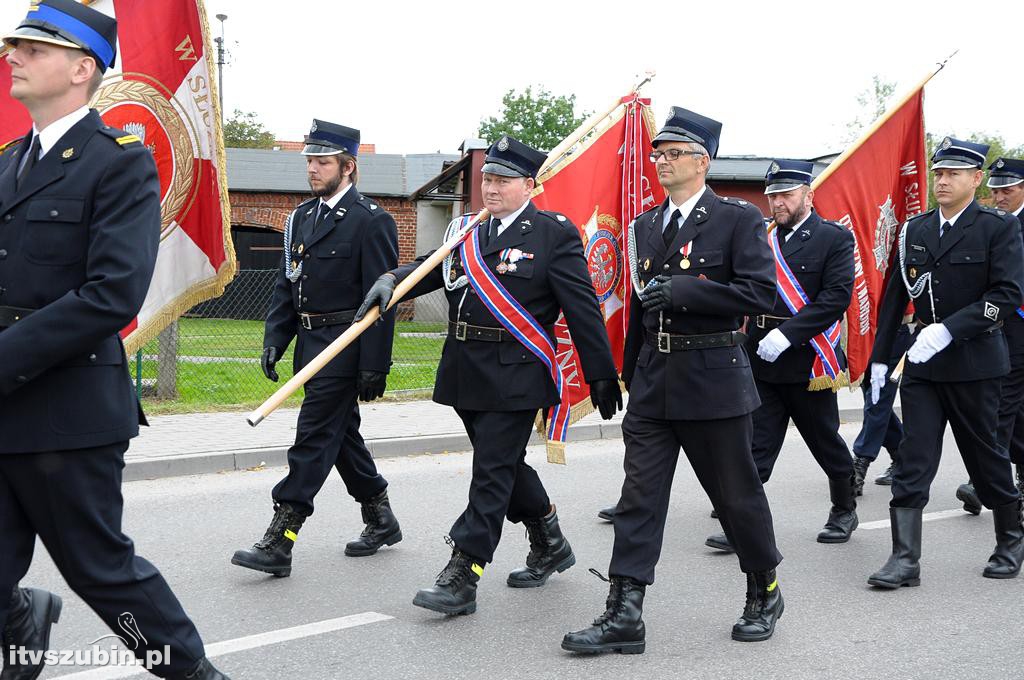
220 63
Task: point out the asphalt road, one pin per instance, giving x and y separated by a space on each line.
956 625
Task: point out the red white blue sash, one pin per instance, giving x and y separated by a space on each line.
520 324
826 373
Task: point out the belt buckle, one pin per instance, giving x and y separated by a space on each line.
664 343
460 330
760 321
305 320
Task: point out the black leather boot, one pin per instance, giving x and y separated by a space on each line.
763 608
969 497
31 615
620 628
885 479
381 527
719 541
714 513
860 472
273 554
607 514
1006 559
549 552
842 518
204 670
455 590
903 567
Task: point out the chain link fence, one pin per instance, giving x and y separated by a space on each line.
210 358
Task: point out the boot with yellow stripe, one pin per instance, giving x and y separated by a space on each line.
454 592
763 608
273 554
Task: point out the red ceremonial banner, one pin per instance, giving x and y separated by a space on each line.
163 91
872 189
606 180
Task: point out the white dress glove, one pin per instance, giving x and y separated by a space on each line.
878 374
932 339
772 345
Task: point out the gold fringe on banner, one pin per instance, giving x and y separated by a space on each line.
824 382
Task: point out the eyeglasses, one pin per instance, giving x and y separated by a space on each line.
672 154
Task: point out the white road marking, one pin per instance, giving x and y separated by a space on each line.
927 517
245 643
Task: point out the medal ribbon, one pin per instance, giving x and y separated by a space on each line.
826 371
521 324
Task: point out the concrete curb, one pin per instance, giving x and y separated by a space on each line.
275 456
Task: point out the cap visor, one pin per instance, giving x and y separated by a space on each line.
37 35
999 182
319 150
954 164
672 137
780 187
503 170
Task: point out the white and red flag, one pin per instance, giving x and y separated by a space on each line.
601 178
162 89
872 189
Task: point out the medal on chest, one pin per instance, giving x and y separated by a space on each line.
685 252
508 259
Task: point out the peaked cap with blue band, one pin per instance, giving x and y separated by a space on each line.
959 154
1005 172
509 157
684 125
786 175
69 24
330 139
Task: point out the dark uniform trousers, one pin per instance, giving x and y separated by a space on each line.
698 400
497 388
78 244
503 485
881 426
340 257
820 255
977 270
72 501
327 436
1010 428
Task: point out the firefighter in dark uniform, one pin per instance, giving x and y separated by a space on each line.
496 384
336 245
1006 180
79 232
793 380
963 265
700 264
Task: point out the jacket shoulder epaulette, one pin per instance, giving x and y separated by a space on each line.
122 138
729 200
999 212
557 216
10 146
369 205
921 216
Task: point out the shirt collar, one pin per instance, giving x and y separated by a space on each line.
57 129
1018 211
509 220
797 226
333 200
952 220
685 209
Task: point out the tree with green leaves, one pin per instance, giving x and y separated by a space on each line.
539 119
244 131
873 102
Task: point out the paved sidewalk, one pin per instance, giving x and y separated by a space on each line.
200 443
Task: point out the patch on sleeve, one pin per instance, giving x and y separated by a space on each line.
991 311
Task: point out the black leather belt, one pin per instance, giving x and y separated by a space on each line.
462 331
669 342
768 322
311 321
919 324
9 315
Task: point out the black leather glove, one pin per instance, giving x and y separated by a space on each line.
268 361
379 294
371 385
606 397
657 296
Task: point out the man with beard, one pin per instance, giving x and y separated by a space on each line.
524 264
1006 180
700 264
799 364
963 265
336 245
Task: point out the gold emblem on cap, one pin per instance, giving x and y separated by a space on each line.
503 144
68 153
647 264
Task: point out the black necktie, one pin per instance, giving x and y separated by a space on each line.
784 233
324 211
33 156
944 229
672 228
492 230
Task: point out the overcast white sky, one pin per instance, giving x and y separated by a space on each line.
418 76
